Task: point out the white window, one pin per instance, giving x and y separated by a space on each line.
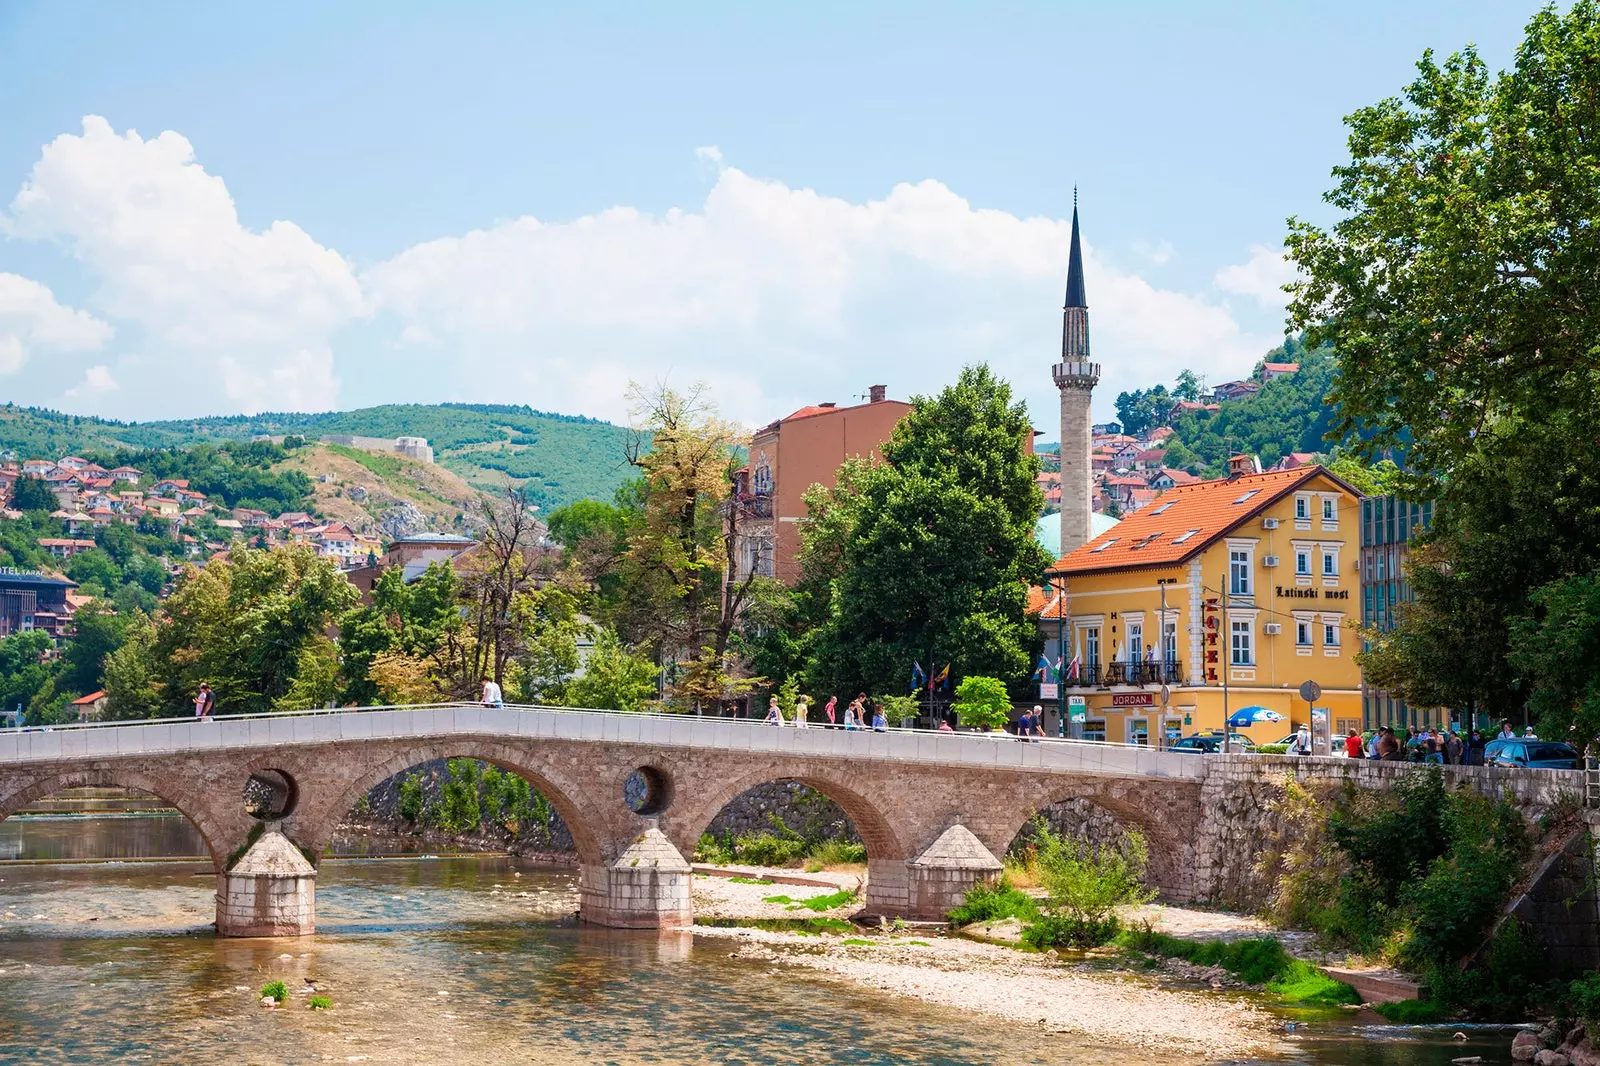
1329 512
1302 633
1302 562
1239 572
1240 632
1136 642
1169 641
1330 635
1330 562
1302 507
1091 648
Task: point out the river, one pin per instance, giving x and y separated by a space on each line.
458 959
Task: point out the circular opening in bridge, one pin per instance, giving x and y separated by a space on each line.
269 794
647 791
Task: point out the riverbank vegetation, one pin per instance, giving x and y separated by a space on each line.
1084 885
1418 877
780 846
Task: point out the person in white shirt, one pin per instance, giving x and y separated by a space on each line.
491 694
800 710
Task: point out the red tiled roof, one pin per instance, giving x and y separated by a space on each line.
84 701
1180 477
1119 480
1150 455
1280 368
807 412
1210 508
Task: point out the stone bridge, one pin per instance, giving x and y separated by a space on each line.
934 810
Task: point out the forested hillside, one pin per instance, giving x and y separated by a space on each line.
1288 415
558 458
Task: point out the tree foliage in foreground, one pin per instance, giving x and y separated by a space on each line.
939 554
1459 287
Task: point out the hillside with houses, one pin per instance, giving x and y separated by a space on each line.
1167 437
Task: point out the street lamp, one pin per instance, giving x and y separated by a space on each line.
1061 650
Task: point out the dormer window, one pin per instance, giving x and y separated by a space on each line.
1181 537
1163 507
1104 546
1247 495
1145 542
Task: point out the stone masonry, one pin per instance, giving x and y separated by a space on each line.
934 811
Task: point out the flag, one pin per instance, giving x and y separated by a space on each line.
1040 670
1074 668
943 680
917 676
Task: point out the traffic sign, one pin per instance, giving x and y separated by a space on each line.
1310 691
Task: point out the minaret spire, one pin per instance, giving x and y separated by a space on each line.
1075 376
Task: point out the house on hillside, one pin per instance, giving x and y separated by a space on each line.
1235 390
1156 434
71 462
126 473
92 707
1270 371
1295 460
37 467
1150 459
169 486
1185 406
64 547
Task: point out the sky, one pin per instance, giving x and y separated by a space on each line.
224 208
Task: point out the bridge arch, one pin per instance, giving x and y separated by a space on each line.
316 818
1167 817
701 805
215 832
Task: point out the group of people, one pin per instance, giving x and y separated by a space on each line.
856 714
1426 745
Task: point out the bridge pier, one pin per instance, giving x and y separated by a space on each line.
939 879
646 887
270 891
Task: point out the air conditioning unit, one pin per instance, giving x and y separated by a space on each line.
1269 523
1272 629
1269 560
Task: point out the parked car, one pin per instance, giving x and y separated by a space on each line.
1211 743
1335 743
1534 754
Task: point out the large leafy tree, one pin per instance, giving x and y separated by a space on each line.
410 620
249 624
1460 284
940 549
680 597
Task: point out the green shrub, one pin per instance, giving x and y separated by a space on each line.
1273 749
276 990
411 797
993 901
321 1003
1257 961
1090 881
713 851
1584 995
836 853
982 703
1070 931
459 809
765 849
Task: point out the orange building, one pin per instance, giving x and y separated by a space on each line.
787 457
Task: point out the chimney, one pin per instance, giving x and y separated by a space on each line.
1240 465
875 393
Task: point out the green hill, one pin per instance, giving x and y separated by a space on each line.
557 458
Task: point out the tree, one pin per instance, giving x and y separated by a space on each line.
982 703
99 634
940 552
1519 513
613 678
1187 387
23 671
133 687
1458 287
552 628
507 563
32 494
412 620
677 560
244 624
1555 648
1382 478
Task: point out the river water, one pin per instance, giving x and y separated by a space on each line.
458 959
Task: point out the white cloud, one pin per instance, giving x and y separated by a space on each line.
1261 278
30 318
97 381
163 241
777 296
781 296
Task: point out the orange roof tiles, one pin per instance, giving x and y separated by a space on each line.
1210 508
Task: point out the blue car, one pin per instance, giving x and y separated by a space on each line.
1534 754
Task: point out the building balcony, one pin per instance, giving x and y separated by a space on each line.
1139 673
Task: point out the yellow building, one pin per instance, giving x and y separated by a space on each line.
1252 580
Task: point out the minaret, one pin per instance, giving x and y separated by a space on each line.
1076 377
